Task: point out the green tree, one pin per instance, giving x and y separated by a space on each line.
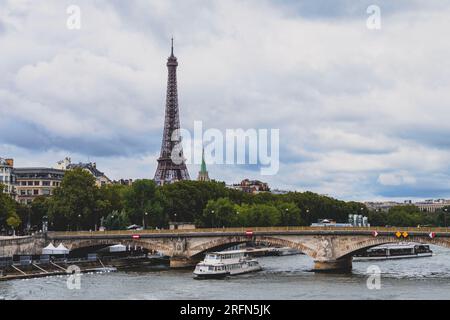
378 218
113 196
117 220
39 208
405 216
23 211
188 199
290 214
13 221
441 217
74 202
140 199
314 206
219 213
258 215
156 217
8 214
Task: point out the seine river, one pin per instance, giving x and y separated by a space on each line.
283 278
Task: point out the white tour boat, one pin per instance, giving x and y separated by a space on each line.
395 251
225 263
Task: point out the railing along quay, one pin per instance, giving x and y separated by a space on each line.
247 229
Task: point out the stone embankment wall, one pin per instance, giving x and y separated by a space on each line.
21 245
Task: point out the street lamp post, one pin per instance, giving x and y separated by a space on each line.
44 225
143 219
29 221
212 217
445 217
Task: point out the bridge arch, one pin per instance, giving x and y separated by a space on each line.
366 243
328 251
223 242
215 244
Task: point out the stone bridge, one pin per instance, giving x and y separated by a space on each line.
331 248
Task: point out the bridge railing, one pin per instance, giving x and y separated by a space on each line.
248 229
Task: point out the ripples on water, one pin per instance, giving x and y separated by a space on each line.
282 278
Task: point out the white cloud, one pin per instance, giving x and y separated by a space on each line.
396 179
357 109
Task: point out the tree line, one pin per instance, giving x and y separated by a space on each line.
78 204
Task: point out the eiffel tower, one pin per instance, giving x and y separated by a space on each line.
171 163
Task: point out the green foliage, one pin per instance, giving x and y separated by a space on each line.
113 196
117 220
406 216
290 214
13 221
259 215
314 207
218 213
442 217
187 199
140 199
74 203
79 204
8 213
378 218
38 209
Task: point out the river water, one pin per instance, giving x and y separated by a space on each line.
283 278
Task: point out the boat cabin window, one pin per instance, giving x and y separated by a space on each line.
401 251
422 249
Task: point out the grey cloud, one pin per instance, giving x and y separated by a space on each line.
412 192
100 91
340 9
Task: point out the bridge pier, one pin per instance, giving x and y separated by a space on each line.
339 265
182 262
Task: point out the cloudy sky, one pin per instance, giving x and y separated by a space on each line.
363 114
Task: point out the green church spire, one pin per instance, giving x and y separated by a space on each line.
203 167
203 174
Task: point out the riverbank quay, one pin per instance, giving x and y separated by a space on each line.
57 267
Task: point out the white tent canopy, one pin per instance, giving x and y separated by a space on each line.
51 249
117 248
62 250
